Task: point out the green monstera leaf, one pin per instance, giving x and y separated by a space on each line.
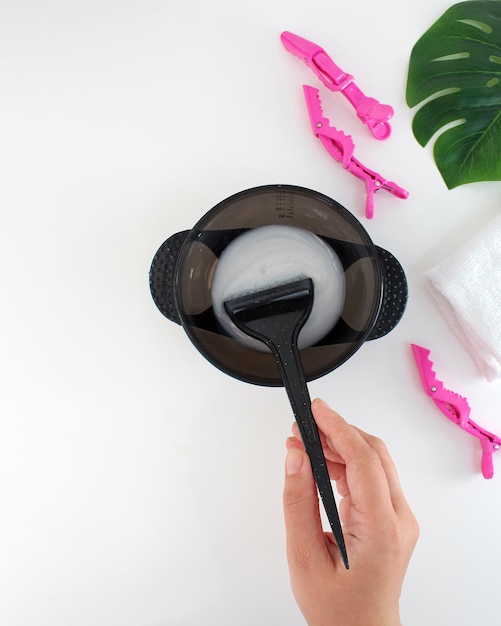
455 74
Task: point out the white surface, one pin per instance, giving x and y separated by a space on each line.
139 486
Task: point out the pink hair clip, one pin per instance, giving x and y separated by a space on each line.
456 408
369 110
341 147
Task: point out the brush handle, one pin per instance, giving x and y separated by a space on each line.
276 316
291 370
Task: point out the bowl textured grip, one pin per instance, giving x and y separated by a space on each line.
395 294
162 274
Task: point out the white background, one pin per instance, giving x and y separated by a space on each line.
140 486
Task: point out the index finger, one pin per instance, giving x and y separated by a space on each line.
365 474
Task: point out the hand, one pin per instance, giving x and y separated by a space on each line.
379 528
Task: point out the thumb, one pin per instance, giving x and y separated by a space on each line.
304 533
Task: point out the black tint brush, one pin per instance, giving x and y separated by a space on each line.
275 316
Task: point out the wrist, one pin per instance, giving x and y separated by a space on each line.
366 617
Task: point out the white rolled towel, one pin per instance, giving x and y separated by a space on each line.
467 288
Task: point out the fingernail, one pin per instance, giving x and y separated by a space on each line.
293 461
321 402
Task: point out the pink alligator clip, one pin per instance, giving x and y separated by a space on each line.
340 146
456 408
369 110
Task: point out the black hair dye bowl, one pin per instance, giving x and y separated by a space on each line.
263 237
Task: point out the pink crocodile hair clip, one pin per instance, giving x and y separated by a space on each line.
456 408
369 110
341 147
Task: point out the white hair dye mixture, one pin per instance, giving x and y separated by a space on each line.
269 256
